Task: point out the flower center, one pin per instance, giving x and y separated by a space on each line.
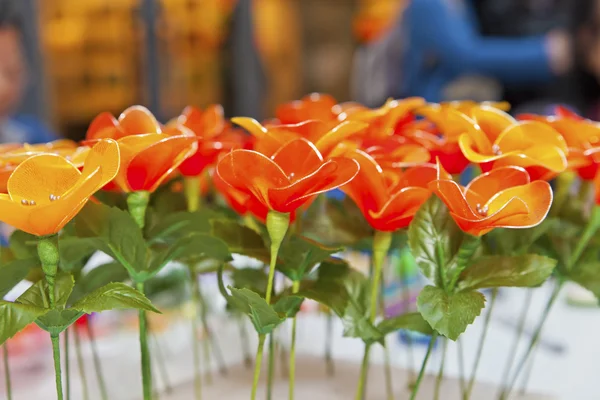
496 150
483 211
28 202
54 197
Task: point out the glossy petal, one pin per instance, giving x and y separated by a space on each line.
368 189
298 159
204 124
138 120
252 173
105 125
399 209
481 189
528 134
312 107
328 141
330 175
491 121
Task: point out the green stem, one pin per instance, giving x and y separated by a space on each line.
7 379
534 340
328 344
257 364
144 350
137 202
295 288
271 366
162 363
440 376
49 257
381 245
528 371
67 367
82 375
461 366
486 326
195 342
409 342
191 188
211 345
389 388
520 329
245 343
57 371
361 388
589 231
415 390
97 363
277 226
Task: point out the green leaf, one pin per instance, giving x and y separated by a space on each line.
38 294
332 294
449 314
192 246
588 276
497 271
114 296
98 277
240 239
250 278
517 241
434 240
23 245
466 251
288 306
333 269
411 321
56 321
14 317
263 316
75 252
298 256
180 224
116 234
14 272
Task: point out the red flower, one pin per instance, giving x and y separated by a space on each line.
315 106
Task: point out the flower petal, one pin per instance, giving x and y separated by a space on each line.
332 174
482 188
491 120
252 173
368 189
453 196
298 159
399 209
537 196
472 152
327 142
105 125
138 120
528 134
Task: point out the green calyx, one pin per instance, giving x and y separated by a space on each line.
137 202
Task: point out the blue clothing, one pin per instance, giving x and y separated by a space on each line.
442 43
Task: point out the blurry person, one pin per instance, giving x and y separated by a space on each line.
445 56
13 80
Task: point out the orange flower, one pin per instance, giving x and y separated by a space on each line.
12 154
149 152
388 198
239 201
496 139
501 198
326 136
215 137
581 135
383 120
288 179
395 152
315 106
46 191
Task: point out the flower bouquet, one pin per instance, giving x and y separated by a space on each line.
479 199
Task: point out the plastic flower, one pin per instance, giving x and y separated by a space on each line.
12 154
383 120
46 191
288 179
502 198
149 151
581 135
498 140
239 201
214 137
326 136
315 106
395 152
388 198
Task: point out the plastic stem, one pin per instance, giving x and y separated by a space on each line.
413 395
7 379
295 288
81 366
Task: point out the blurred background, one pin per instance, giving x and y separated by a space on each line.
64 61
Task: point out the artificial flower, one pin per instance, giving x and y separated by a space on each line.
388 198
214 137
315 106
240 201
395 152
288 179
326 136
502 198
149 151
46 190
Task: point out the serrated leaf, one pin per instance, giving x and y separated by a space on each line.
434 240
411 321
114 296
299 255
250 278
498 271
449 314
263 316
517 241
14 317
14 272
240 239
115 233
461 260
332 294
98 277
288 306
75 252
38 294
23 245
333 269
182 223
56 321
192 246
